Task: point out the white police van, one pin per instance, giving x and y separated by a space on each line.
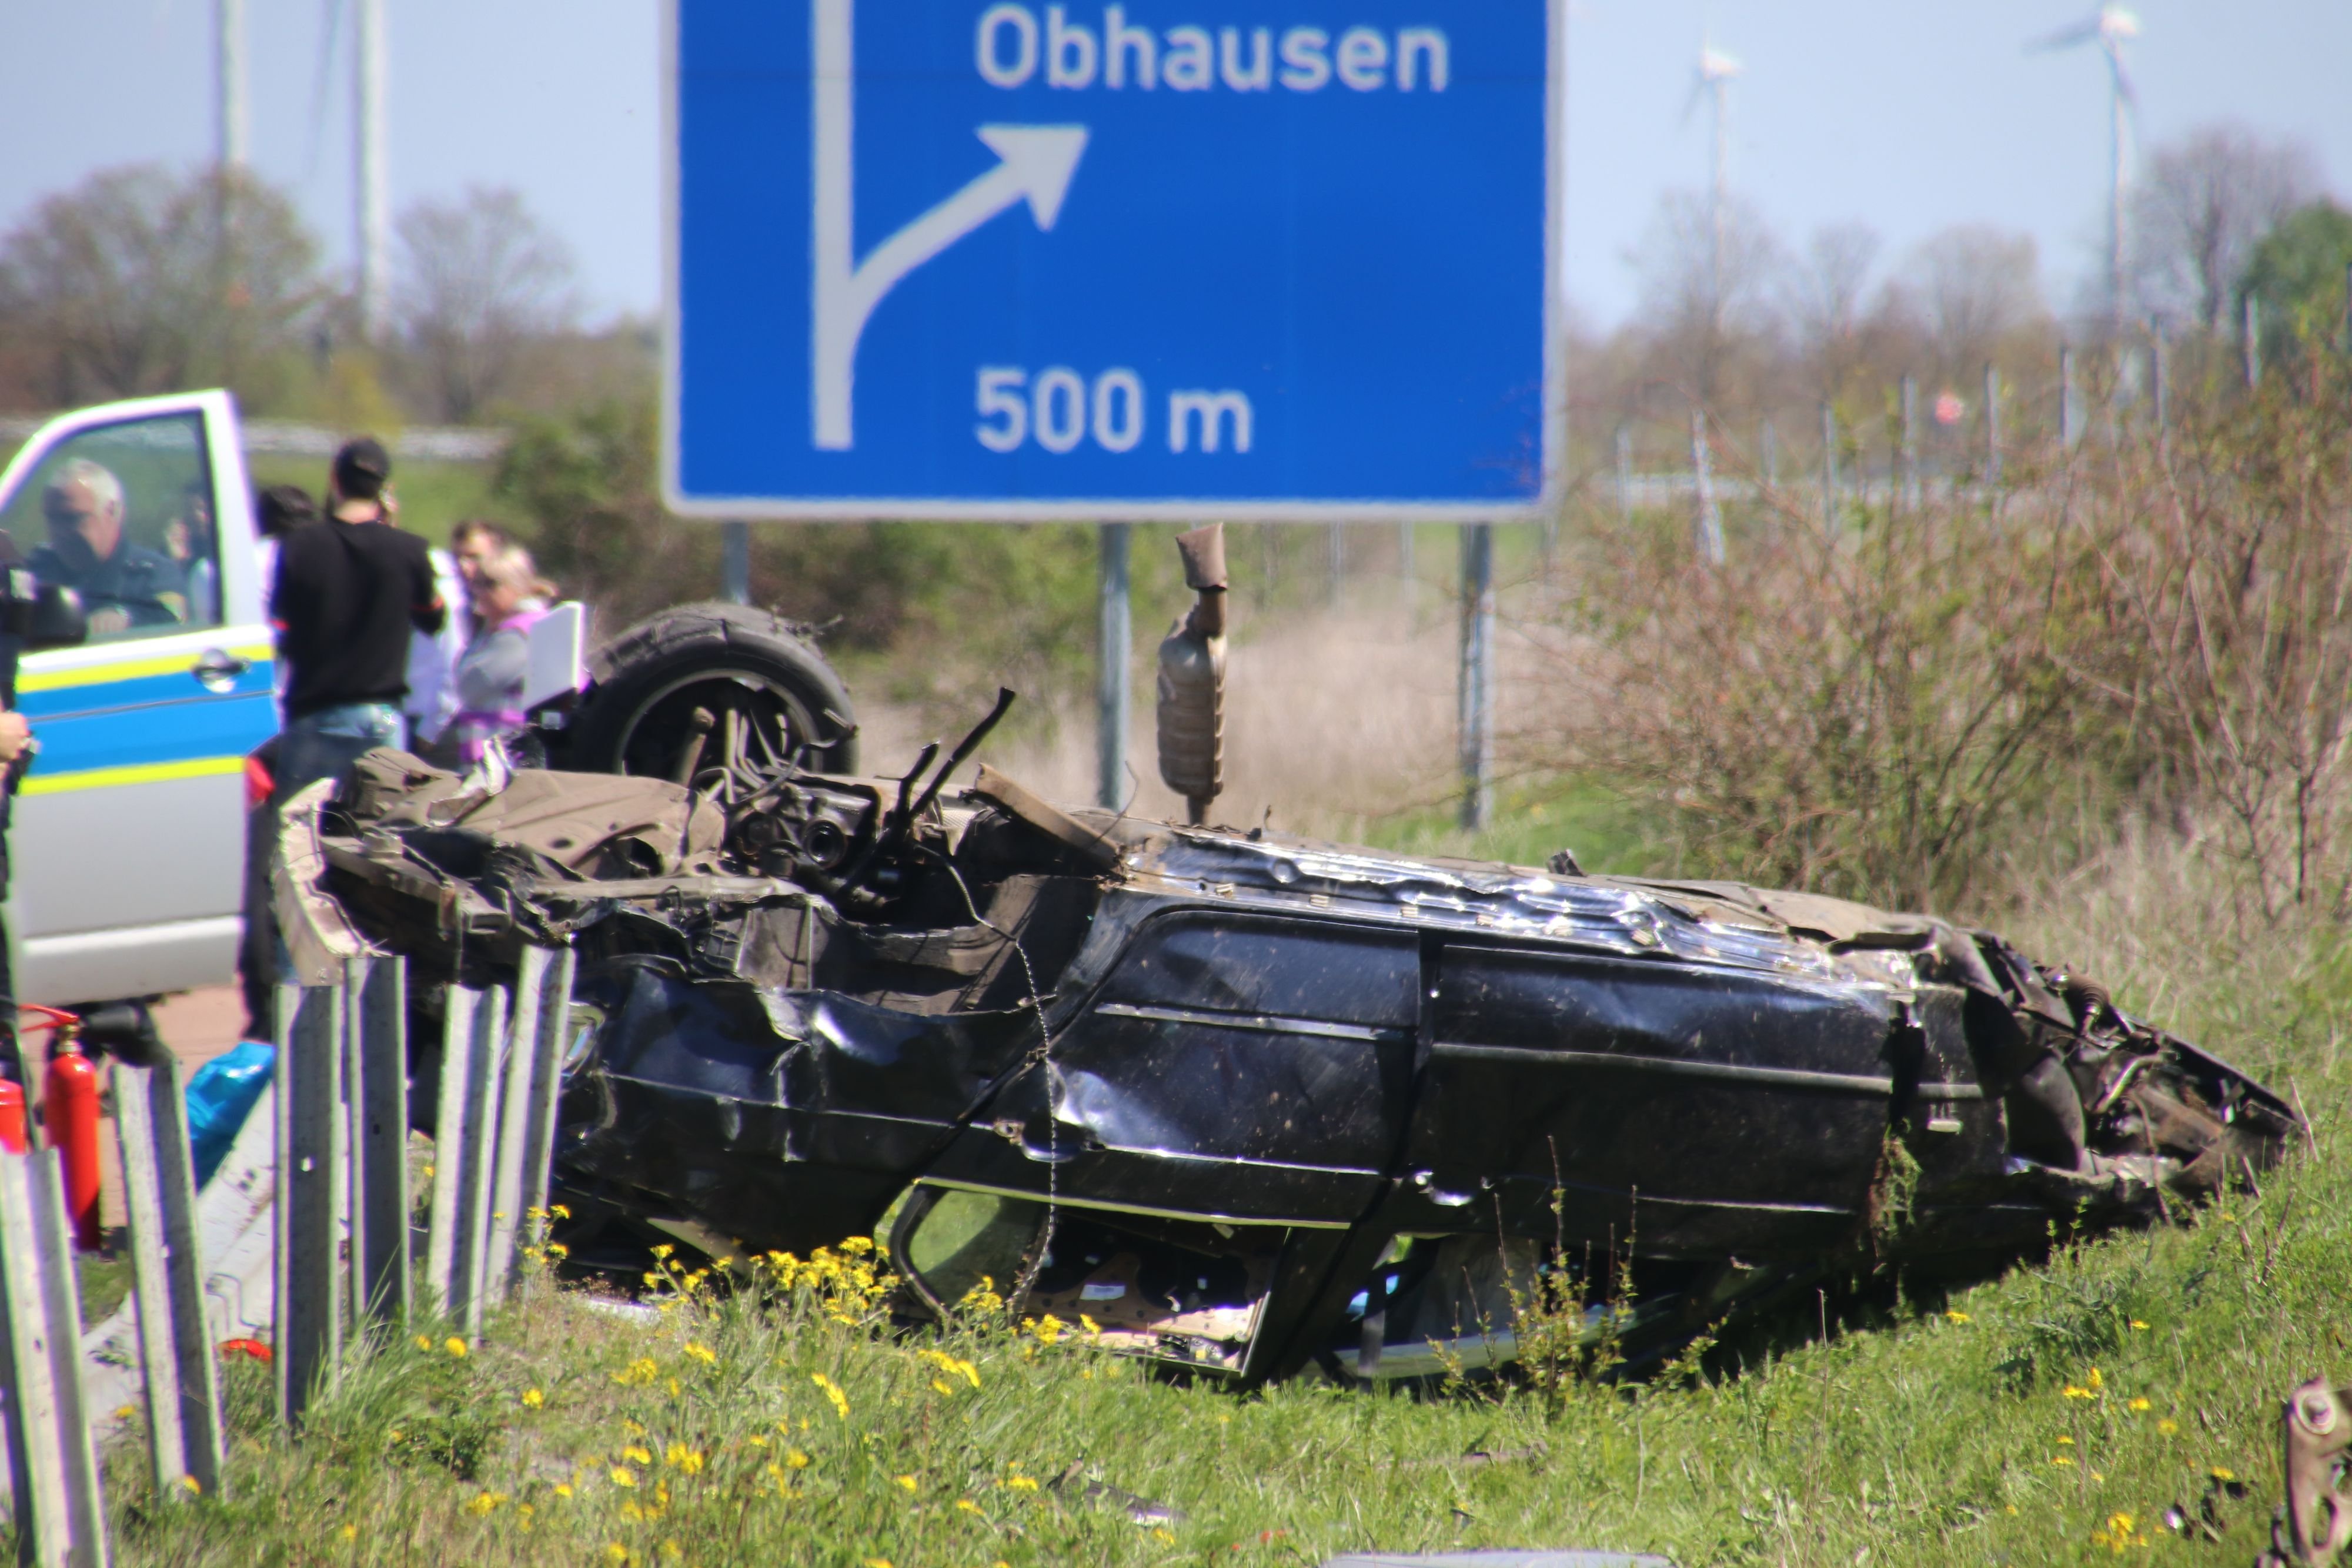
128 843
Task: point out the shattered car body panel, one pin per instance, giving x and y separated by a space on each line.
1250 1103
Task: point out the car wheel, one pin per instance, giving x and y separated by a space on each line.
770 694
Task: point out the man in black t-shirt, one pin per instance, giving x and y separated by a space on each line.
348 590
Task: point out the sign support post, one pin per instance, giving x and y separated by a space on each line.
1114 641
1478 674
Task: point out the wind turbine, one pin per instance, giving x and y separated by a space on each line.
2110 27
1713 80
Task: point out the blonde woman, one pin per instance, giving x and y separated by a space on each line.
508 597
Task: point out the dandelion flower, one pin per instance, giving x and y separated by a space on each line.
2221 1474
533 1398
832 1392
965 1505
424 1342
564 1489
350 1532
481 1505
124 1412
2069 1442
795 1459
617 1553
559 1211
2096 1381
194 1485
1019 1483
908 1482
702 1353
682 1458
877 1563
2167 1426
1956 1317
672 1550
1164 1535
624 1477
454 1345
2139 1403
642 1455
2138 1326
2077 1391
2062 1460
1088 1324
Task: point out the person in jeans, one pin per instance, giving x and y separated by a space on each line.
349 591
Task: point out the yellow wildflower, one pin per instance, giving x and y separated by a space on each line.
756 1440
641 1454
702 1353
195 1487
2139 1403
564 1489
533 1398
2167 1426
424 1342
2096 1381
1956 1317
350 1532
832 1392
2077 1391
634 1429
663 1249
454 1345
483 1504
672 1550
632 1513
2069 1442
616 1552
1088 1324
638 1373
1018 1483
682 1458
795 1459
908 1482
624 1477
1164 1535
2062 1460
965 1505
877 1563
2221 1474
2139 1325
939 1387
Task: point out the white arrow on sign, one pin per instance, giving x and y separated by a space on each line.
1038 162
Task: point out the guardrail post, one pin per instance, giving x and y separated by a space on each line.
506 1185
61 1515
462 1133
376 998
547 1079
181 1378
312 1196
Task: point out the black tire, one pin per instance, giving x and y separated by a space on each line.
723 658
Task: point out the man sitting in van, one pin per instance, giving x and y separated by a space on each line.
122 584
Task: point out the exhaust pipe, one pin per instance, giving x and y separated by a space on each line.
1192 679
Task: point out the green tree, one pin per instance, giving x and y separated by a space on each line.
2296 277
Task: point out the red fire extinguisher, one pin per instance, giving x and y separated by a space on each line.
70 1119
12 1113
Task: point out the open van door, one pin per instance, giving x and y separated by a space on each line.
128 840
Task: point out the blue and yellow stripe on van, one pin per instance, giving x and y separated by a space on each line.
143 718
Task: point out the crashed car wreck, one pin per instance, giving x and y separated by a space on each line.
1250 1103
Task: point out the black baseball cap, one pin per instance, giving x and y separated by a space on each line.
361 467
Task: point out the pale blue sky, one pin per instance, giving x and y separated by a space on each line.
1902 115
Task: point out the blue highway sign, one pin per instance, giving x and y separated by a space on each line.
1250 259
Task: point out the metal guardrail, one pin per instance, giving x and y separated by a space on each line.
286 438
52 1459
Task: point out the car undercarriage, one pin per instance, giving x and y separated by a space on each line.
1250 1104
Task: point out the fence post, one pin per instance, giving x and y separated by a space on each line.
2254 344
312 1194
1475 692
1710 518
1114 637
61 1515
181 1378
1828 467
1992 425
1624 473
377 1004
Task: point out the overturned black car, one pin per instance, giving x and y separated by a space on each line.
1249 1102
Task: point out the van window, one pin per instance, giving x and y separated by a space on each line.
122 514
